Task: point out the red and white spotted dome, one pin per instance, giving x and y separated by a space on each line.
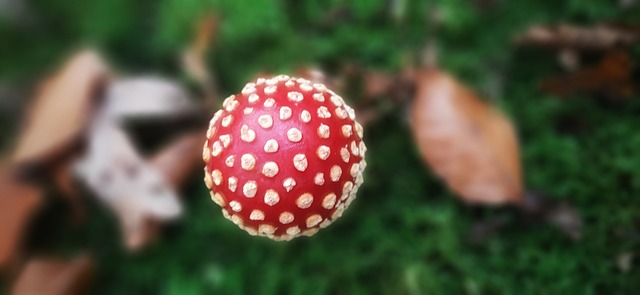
284 157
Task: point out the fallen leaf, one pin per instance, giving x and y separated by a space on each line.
144 97
612 77
18 203
465 141
125 182
177 161
194 57
388 88
376 84
62 176
378 92
55 277
61 110
597 37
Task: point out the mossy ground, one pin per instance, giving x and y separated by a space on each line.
405 234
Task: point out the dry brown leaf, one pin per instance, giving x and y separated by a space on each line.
377 92
377 84
144 97
465 141
611 77
62 176
55 277
194 58
597 37
62 108
125 182
178 160
18 203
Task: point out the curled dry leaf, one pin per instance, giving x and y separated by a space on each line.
145 97
194 58
177 161
18 203
377 83
61 110
119 177
62 176
612 77
55 277
386 87
465 141
378 92
597 37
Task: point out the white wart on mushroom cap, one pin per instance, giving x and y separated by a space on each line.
284 157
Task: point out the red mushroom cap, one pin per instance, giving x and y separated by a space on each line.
284 157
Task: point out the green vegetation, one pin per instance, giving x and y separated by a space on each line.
405 234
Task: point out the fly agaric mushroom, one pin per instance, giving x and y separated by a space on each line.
284 157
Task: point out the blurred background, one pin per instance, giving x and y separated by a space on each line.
104 104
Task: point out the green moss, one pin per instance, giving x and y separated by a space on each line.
405 234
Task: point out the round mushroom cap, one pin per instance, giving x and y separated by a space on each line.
284 157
